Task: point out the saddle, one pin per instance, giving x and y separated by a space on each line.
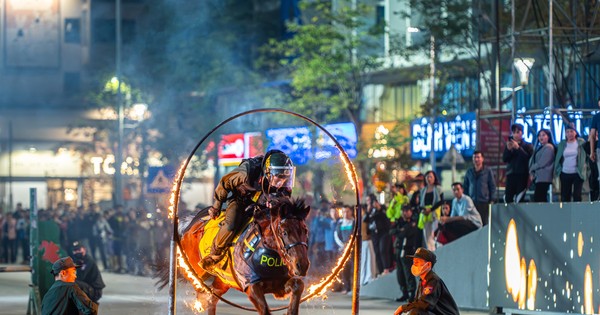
253 261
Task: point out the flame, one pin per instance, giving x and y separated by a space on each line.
588 291
580 244
350 171
512 262
196 306
522 284
319 289
531 285
174 191
199 285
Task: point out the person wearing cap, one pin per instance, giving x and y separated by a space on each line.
432 296
408 238
65 296
569 165
89 278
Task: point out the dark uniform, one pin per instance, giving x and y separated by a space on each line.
432 297
89 278
67 298
408 238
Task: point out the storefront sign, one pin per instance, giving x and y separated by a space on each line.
532 124
459 131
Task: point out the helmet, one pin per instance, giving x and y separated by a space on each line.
278 171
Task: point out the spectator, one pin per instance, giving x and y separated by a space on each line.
430 195
9 240
463 218
89 278
593 139
399 199
415 198
343 232
318 225
331 250
592 174
541 165
407 240
368 263
433 296
479 183
101 232
65 296
516 154
569 165
379 229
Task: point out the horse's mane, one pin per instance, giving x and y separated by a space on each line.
188 221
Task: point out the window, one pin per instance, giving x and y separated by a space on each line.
72 31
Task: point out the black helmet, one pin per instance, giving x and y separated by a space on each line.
278 170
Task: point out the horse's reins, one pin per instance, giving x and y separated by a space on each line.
284 249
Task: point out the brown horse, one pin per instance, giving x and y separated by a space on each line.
269 256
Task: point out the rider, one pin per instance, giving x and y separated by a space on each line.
254 180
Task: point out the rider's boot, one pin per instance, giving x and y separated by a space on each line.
218 249
208 262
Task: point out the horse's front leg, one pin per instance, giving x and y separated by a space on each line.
295 286
219 288
256 294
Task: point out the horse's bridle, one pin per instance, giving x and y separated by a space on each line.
281 243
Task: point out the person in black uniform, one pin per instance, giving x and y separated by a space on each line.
89 278
408 238
433 296
253 181
65 296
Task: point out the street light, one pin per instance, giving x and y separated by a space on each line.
412 29
523 66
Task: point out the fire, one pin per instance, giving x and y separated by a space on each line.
350 172
580 244
588 291
196 306
324 284
531 285
512 262
522 284
174 191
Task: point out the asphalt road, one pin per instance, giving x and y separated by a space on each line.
126 294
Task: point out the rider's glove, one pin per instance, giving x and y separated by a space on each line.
214 212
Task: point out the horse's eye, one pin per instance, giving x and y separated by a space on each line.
284 233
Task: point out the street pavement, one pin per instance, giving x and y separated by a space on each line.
127 294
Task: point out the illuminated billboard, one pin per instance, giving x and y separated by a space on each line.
293 141
459 131
344 133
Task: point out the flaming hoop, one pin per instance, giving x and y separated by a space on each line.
178 256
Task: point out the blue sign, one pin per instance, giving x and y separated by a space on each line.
459 131
344 133
532 124
293 141
160 179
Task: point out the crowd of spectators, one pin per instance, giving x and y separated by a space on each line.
120 241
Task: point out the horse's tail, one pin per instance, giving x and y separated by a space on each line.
161 273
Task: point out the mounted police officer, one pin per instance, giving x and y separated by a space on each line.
255 180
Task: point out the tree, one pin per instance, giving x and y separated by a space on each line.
328 61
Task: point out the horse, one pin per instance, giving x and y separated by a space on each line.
270 256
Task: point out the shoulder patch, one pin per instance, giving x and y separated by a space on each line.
427 290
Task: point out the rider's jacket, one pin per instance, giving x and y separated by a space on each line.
246 174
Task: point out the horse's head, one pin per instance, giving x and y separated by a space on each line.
289 228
